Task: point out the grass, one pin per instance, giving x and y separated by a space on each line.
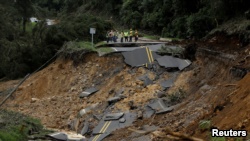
152 37
105 49
172 39
177 96
16 127
205 124
218 139
85 45
100 44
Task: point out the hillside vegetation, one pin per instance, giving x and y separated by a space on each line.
25 47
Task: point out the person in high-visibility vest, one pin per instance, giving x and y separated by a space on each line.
121 35
136 35
126 36
130 35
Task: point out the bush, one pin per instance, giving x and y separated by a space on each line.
205 124
199 24
177 28
17 127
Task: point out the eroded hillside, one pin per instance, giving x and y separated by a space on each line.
210 89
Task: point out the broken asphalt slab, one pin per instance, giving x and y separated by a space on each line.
114 99
113 116
99 137
85 128
172 62
165 110
159 106
58 136
146 81
88 92
109 126
140 57
167 83
148 112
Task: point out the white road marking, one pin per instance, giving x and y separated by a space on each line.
161 105
187 61
114 49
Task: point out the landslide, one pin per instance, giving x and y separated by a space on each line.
212 90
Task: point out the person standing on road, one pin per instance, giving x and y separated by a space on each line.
136 35
130 35
111 35
107 36
121 36
126 36
115 36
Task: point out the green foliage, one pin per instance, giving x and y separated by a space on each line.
199 24
178 51
77 28
177 28
205 124
218 139
177 96
17 126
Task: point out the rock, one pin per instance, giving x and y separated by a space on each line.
33 100
111 91
53 99
160 94
72 89
139 115
122 120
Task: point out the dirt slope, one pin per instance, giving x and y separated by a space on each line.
211 92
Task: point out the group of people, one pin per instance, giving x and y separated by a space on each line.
114 35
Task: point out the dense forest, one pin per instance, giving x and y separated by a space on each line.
25 46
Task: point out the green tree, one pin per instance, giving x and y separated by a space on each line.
25 9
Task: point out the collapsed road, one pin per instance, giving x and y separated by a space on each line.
81 97
104 112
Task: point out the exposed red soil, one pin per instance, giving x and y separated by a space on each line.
211 91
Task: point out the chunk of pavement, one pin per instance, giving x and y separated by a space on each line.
85 128
167 83
122 120
139 57
148 112
58 136
99 137
88 92
114 99
76 137
172 62
113 116
160 94
112 125
146 81
157 105
165 110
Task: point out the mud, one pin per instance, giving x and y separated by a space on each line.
206 90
